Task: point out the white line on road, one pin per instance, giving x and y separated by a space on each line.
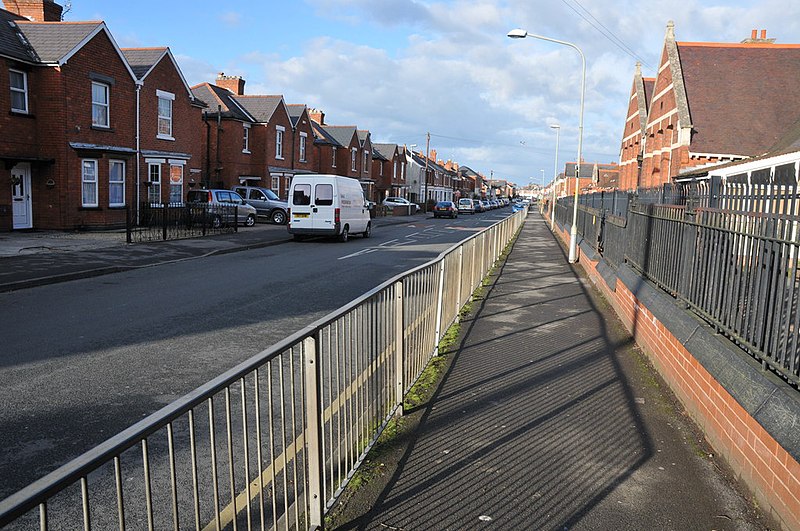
359 253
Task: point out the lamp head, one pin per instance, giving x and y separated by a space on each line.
555 126
517 33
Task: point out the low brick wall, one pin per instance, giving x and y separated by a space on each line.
750 417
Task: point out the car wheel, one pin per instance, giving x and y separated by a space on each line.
250 221
216 222
345 235
368 232
278 217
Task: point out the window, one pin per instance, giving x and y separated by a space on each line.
175 183
302 194
303 137
287 182
116 183
154 192
353 157
89 183
276 182
279 141
246 138
165 100
19 91
394 170
100 104
333 157
366 160
323 194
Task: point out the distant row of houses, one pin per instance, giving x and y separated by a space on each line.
89 130
713 109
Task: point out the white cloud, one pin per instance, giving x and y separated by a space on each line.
231 19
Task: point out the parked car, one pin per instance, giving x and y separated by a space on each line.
391 202
494 204
266 202
221 206
466 206
485 205
327 205
445 209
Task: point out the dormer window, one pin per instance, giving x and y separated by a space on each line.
19 91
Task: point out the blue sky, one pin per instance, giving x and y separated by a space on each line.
401 68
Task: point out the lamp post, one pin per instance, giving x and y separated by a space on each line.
555 178
573 233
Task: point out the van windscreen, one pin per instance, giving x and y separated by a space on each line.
323 195
301 194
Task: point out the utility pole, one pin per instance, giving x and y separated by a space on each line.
425 184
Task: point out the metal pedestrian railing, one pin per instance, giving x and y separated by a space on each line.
271 443
174 221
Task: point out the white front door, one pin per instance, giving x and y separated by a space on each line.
21 196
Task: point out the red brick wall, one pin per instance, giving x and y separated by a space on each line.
231 161
312 153
768 470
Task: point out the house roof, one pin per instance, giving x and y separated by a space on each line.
295 111
55 42
143 59
742 97
341 134
386 151
217 97
363 135
260 107
12 43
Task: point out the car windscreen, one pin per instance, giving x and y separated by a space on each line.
272 195
301 194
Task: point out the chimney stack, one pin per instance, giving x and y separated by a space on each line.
35 10
756 39
433 155
317 115
233 83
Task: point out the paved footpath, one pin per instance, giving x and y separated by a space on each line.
548 418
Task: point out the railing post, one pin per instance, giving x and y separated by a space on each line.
460 276
439 309
399 365
311 361
164 207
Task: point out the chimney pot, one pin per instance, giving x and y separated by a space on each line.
754 34
763 34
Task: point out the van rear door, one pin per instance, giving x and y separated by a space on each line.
324 207
301 206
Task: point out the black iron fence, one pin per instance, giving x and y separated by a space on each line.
729 251
174 221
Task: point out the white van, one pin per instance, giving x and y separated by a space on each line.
327 205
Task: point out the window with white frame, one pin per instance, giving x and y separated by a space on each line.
279 130
394 170
19 91
364 169
276 184
89 183
116 183
287 182
154 174
303 138
176 183
165 100
353 158
100 104
333 157
380 168
246 138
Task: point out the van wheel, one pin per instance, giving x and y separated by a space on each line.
216 222
278 217
367 233
345 235
250 221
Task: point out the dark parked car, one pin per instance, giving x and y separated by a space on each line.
445 209
221 206
267 204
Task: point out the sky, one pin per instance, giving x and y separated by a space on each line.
405 68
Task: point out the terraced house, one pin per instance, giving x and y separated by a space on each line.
71 150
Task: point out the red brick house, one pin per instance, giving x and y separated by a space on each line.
631 154
66 161
170 139
388 171
717 102
305 158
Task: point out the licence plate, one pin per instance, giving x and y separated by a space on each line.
301 215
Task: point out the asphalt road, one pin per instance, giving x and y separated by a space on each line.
84 359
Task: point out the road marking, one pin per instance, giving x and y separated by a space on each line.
387 243
359 253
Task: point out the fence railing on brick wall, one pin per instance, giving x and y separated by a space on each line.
729 251
174 221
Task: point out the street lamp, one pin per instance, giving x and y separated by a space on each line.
555 178
573 233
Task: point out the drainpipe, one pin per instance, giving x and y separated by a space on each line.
207 174
219 130
139 84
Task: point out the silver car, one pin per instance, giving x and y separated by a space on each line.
220 206
266 202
